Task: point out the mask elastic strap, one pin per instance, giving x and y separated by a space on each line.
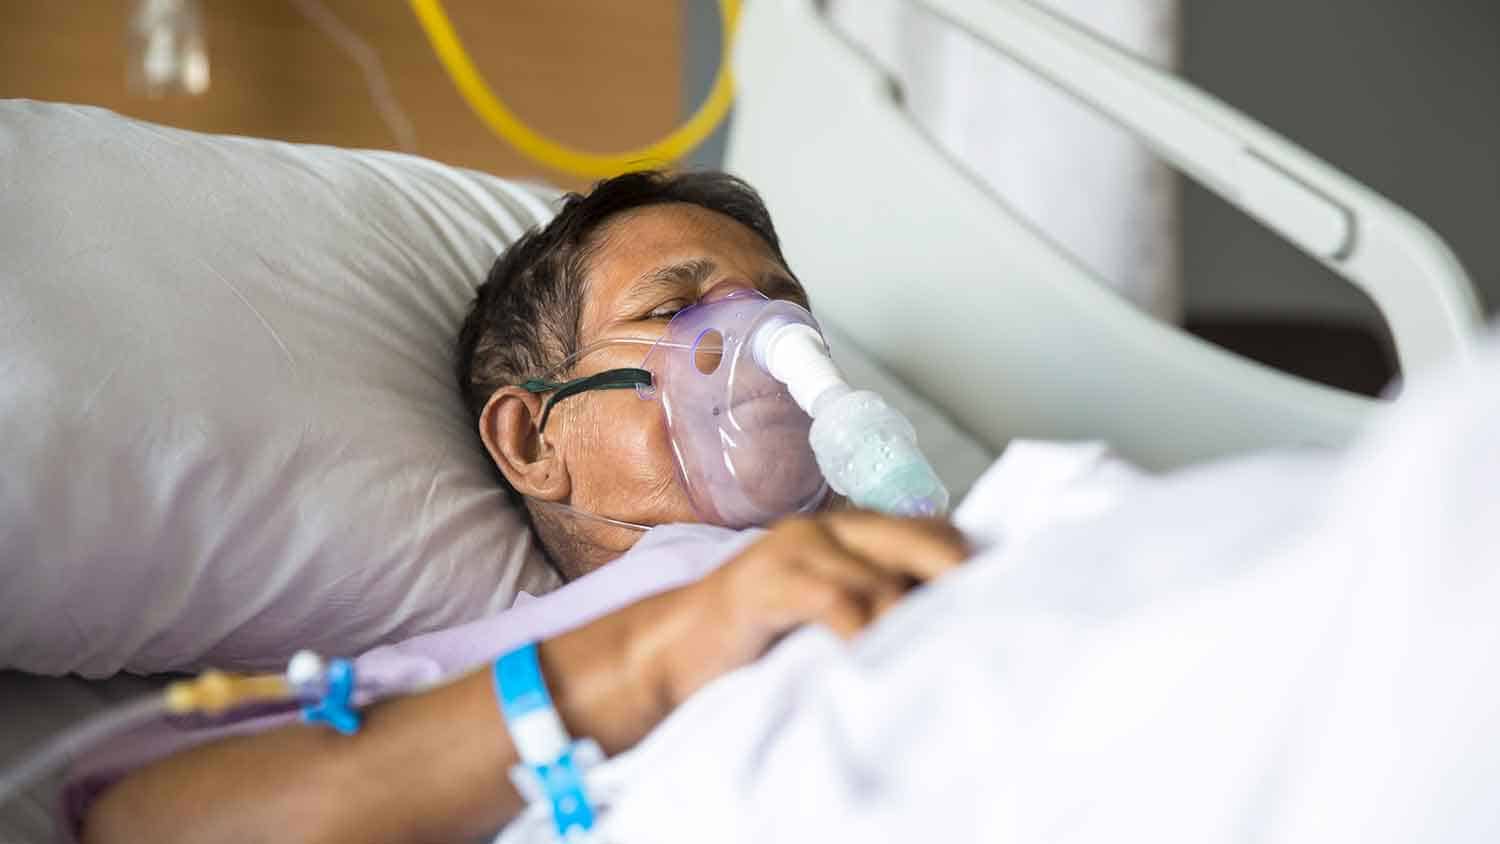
610 379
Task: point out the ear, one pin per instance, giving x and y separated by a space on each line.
508 426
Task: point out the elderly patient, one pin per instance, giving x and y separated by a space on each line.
594 468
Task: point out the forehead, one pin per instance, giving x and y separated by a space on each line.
642 240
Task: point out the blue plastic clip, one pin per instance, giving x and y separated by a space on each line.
335 709
553 766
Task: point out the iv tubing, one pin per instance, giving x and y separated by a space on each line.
505 123
210 693
67 745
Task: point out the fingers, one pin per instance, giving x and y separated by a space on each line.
813 599
824 555
847 570
843 570
919 548
845 611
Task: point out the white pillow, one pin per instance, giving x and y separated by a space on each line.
228 423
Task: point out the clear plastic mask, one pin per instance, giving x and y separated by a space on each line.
739 440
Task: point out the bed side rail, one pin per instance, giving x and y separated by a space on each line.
1410 273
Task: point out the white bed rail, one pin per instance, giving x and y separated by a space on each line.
938 279
1412 275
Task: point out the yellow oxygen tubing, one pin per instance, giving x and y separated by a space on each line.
504 122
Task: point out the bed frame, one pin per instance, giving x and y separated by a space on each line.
933 275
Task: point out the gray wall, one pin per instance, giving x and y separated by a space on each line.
1404 95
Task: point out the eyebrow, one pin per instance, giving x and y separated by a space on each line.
693 274
668 279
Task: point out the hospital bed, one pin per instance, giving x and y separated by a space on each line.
982 316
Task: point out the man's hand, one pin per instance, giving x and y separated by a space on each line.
840 569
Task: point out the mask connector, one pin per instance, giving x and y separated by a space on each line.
866 449
794 354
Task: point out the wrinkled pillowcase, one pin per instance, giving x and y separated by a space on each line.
228 423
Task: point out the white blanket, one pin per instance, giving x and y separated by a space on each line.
1284 648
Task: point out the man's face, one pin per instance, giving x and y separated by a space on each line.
650 264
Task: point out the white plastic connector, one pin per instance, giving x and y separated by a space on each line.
304 670
794 354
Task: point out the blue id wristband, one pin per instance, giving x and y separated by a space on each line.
541 740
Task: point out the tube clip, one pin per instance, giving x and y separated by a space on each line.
335 706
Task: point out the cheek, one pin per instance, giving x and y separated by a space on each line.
633 435
628 459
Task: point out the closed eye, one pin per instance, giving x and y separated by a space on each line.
666 310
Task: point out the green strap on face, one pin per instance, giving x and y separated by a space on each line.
609 379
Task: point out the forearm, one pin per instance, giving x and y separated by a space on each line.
426 768
413 757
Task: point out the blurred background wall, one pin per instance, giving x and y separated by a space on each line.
599 74
1402 95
